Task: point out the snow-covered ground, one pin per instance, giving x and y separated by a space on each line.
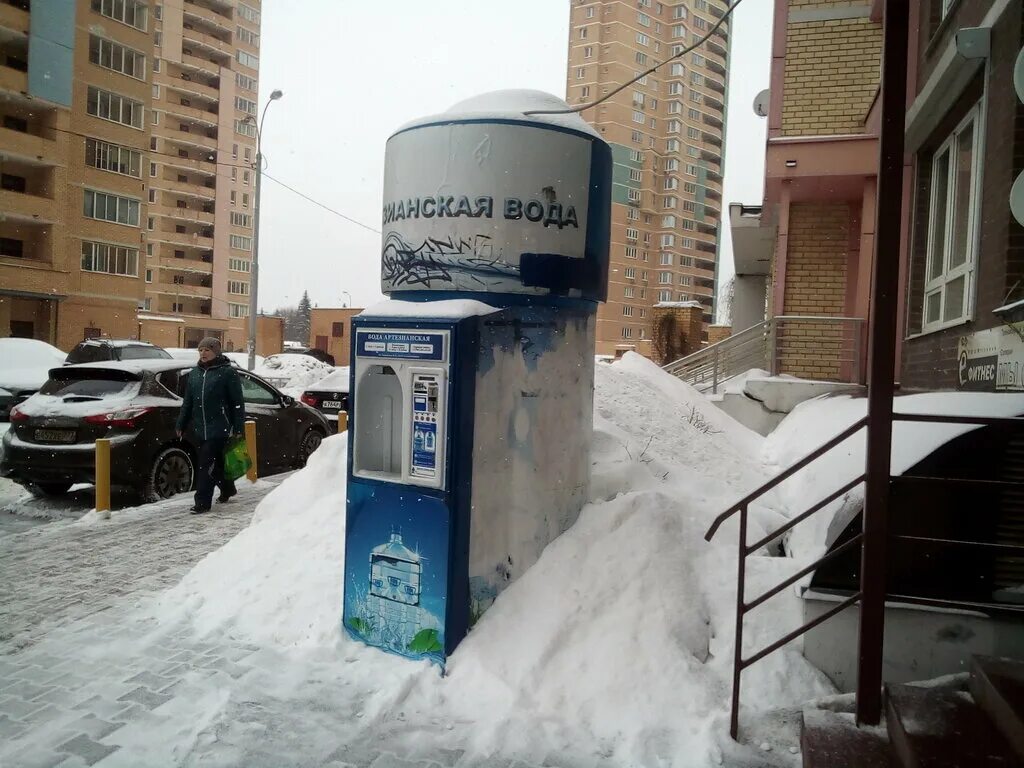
292 373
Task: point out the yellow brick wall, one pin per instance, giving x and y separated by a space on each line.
816 261
831 74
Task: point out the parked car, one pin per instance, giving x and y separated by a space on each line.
293 373
135 404
329 395
24 367
240 359
316 354
98 350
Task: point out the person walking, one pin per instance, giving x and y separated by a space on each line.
215 411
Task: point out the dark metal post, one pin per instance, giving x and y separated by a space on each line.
882 351
737 655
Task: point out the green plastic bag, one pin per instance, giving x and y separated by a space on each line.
236 460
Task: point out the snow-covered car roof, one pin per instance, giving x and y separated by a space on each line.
155 365
117 343
25 363
335 382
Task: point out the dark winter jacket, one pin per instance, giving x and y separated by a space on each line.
213 404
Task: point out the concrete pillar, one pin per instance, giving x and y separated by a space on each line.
749 301
5 316
678 328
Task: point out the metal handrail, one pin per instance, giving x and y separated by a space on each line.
710 349
744 550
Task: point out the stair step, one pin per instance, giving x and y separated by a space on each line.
942 727
833 740
998 687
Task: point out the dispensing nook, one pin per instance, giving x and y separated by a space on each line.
472 386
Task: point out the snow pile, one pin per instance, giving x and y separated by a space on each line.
241 359
619 637
292 373
817 421
280 580
446 309
338 381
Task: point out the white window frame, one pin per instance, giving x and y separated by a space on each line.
114 56
937 285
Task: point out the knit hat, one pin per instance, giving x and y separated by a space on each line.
211 343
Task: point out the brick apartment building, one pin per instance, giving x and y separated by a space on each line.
330 330
666 133
127 169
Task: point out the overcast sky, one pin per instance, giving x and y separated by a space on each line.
352 72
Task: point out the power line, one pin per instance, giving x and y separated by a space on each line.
321 205
624 86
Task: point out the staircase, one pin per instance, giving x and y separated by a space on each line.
821 348
962 721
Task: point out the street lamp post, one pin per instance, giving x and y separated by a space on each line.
346 293
255 273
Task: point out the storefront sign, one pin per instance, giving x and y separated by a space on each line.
992 360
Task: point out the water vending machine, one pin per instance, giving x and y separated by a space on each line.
472 386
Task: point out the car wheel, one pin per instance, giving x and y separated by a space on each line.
310 442
172 473
41 490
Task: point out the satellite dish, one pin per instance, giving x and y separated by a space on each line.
1017 199
761 102
1018 75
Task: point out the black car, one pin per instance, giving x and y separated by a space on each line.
329 395
100 350
50 445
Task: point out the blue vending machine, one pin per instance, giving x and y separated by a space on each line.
472 386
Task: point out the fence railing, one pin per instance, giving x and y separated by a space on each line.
745 606
818 347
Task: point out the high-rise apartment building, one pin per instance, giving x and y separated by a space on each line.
126 181
667 135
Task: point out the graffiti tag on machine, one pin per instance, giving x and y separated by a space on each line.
436 260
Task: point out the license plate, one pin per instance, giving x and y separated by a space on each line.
55 435
331 404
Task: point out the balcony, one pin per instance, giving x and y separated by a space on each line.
203 117
13 80
28 208
713 121
712 193
189 139
707 228
14 19
714 103
716 67
716 47
192 266
714 176
206 41
183 239
195 12
184 189
704 245
182 214
715 85
711 138
206 66
28 146
185 84
203 167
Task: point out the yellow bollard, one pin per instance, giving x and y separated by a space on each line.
103 477
342 421
250 448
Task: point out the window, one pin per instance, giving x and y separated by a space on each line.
697 78
585 92
238 310
641 58
131 12
686 261
634 195
680 12
664 295
239 265
245 177
246 128
690 187
234 175
590 12
248 37
152 195
245 199
683 297
643 19
636 156
249 14
110 259
674 126
241 220
637 137
696 97
246 82
630 251
700 23
248 154
111 106
952 226
248 60
691 170
147 304
627 333
679 31
689 205
116 57
627 311
638 100
685 280
678 70
668 222
698 60
588 51
654 123
245 105
12 247
694 114
114 158
638 117
156 64
113 208
241 242
671 182
149 275
674 107
668 241
688 242
583 33
151 223
672 164
158 11
664 278
238 287
232 195
672 145
688 224
630 273
149 249
155 117
642 39
632 214
666 259
670 202
581 72
693 133
628 292
632 233
635 174
700 5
